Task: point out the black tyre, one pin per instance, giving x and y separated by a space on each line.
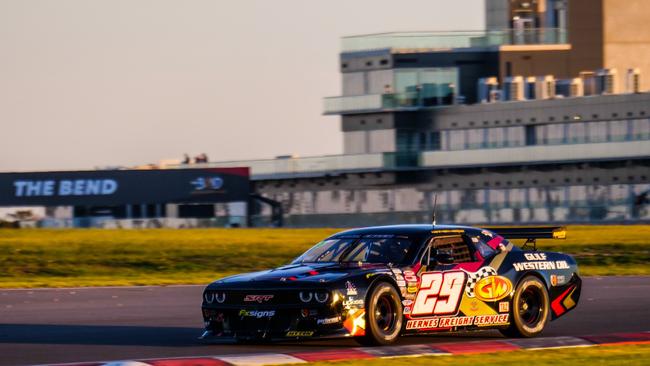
529 311
383 316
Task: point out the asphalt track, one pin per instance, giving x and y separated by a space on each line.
94 324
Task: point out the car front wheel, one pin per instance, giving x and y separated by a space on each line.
383 316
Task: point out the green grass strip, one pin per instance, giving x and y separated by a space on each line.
94 257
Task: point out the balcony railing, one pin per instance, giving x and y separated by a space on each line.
458 39
377 102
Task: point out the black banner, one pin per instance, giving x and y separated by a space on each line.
119 187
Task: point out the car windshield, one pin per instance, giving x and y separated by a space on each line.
326 251
365 250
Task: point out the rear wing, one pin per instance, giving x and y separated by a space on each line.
530 233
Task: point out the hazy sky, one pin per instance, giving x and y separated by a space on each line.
124 82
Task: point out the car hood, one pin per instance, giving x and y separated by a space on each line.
298 274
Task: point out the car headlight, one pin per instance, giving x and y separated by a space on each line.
220 297
208 296
322 296
211 296
306 296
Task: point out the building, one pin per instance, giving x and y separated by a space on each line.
542 117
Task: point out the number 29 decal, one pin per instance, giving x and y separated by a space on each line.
440 293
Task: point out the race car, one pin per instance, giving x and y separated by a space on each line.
377 283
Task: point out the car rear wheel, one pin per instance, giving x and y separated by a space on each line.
530 309
383 316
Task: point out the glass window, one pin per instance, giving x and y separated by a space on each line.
434 141
456 139
540 134
516 136
597 131
471 198
576 133
517 197
476 138
618 193
641 129
378 250
453 198
496 137
578 194
618 130
325 251
454 245
431 86
497 197
555 134
480 242
406 82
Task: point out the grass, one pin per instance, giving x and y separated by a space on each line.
629 355
87 257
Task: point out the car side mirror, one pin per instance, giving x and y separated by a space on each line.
440 257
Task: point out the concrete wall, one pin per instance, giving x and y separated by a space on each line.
536 61
627 38
585 31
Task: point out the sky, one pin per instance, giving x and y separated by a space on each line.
97 83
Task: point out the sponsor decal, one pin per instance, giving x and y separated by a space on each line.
412 289
300 333
407 302
407 310
473 306
504 307
257 313
410 276
486 233
448 231
535 256
558 280
487 320
409 296
492 288
257 298
65 187
427 323
350 289
457 321
326 321
474 277
207 183
440 293
546 265
355 322
401 283
350 302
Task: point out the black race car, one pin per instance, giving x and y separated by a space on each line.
377 283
